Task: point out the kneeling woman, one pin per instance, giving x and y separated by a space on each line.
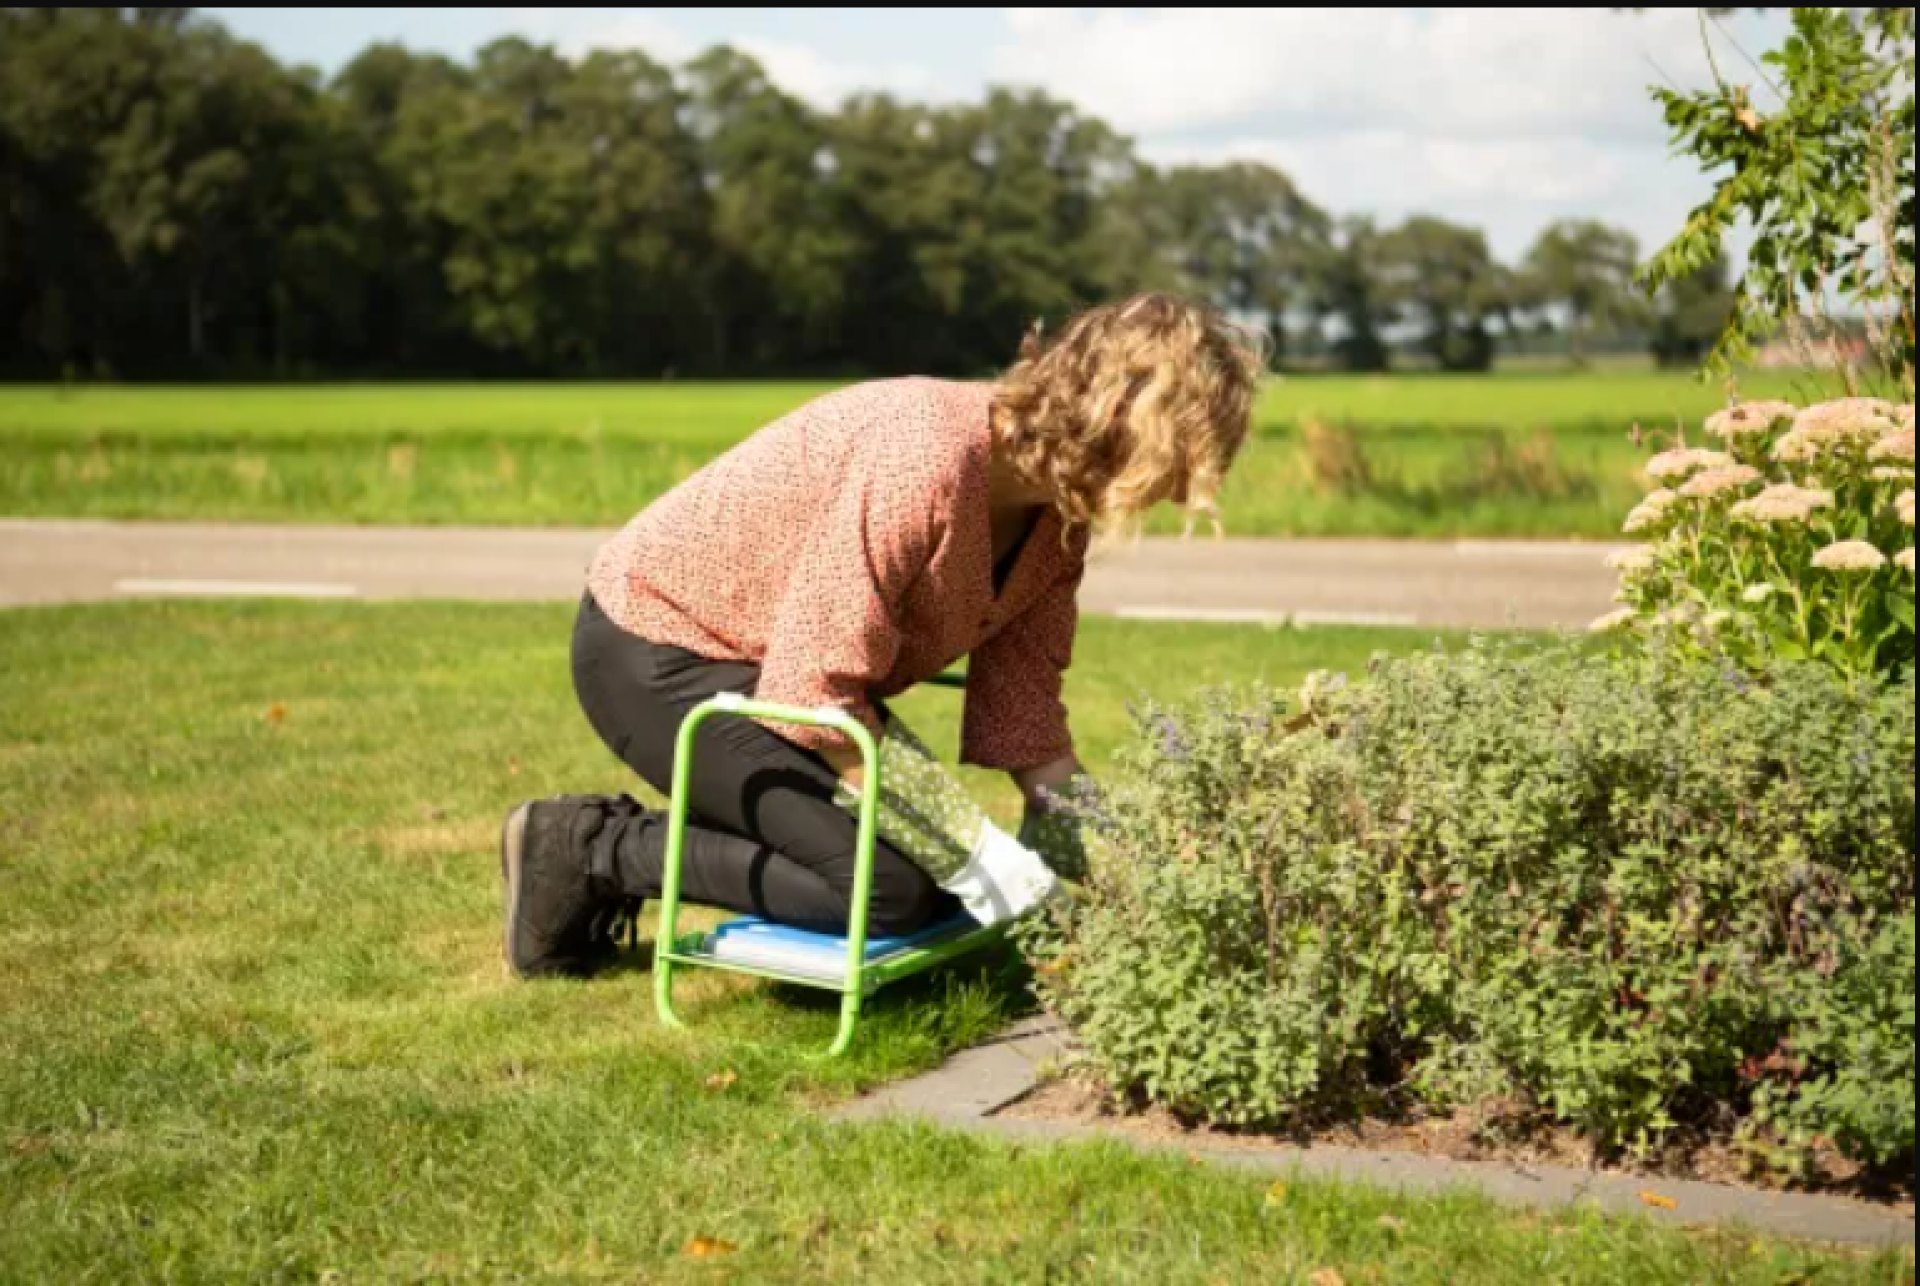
844 553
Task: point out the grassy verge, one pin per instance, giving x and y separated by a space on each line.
252 1024
1513 455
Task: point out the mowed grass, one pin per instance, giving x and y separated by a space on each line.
1413 455
253 1025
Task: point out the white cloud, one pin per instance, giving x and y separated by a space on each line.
1504 118
1535 71
644 32
799 69
578 31
1510 187
806 73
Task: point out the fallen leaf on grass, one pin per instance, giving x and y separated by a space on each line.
1659 1202
1327 1277
277 712
720 1082
29 1145
708 1248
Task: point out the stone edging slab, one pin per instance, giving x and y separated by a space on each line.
975 1084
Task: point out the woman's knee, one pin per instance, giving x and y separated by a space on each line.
905 898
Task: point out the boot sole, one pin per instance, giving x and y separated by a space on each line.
513 839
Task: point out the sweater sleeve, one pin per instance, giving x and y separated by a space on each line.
1015 717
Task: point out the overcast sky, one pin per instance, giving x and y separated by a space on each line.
1503 119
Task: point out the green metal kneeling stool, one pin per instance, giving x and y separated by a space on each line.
851 965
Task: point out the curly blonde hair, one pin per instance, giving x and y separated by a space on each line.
1131 403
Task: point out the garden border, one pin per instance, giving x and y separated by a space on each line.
975 1085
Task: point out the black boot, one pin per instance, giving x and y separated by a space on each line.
561 918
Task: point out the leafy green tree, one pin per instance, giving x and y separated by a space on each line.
408 320
1443 277
783 245
1821 166
910 184
1689 315
975 222
571 204
1352 292
176 188
1584 270
69 79
1040 172
1245 239
174 202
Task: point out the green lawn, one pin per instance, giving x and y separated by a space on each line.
1412 455
253 1025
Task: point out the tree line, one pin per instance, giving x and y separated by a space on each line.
174 203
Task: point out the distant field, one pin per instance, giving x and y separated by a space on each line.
1411 455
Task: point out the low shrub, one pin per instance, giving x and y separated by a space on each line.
1638 892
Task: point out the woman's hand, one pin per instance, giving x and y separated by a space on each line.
1045 829
1053 777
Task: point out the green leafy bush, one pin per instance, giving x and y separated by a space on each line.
1636 892
1793 540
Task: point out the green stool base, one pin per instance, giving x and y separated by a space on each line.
863 973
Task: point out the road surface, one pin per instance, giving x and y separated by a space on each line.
1383 582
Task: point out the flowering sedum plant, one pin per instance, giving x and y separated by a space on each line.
1790 538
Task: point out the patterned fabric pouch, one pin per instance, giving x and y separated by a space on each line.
927 814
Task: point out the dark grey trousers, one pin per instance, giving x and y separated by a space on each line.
764 835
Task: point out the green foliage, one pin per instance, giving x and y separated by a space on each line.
1241 234
1637 892
1795 542
1352 293
566 198
783 249
172 201
1444 278
1689 315
1822 171
1584 269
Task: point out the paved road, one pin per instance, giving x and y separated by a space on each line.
1309 581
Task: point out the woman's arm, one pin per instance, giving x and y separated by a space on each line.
846 763
1015 719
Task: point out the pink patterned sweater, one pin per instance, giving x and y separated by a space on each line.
846 549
